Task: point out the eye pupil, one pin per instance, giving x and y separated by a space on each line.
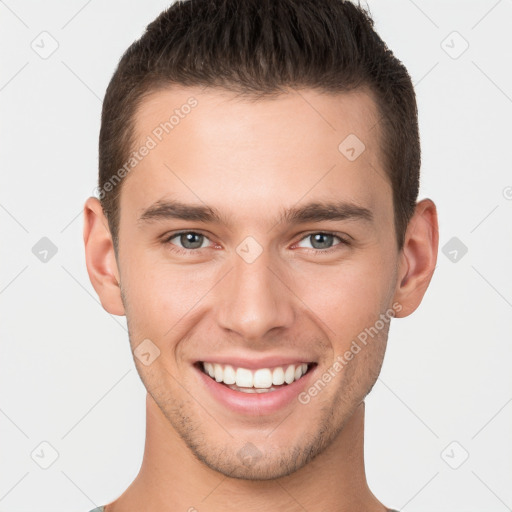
187 240
321 240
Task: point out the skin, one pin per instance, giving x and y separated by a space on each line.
249 160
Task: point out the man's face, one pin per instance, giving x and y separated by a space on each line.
255 289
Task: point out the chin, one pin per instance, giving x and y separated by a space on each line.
262 467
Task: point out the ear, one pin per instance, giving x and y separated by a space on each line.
100 257
418 257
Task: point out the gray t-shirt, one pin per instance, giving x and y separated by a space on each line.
101 509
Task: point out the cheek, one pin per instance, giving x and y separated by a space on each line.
160 294
346 297
349 298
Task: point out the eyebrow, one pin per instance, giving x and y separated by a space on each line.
311 212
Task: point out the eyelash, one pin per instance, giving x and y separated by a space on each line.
188 252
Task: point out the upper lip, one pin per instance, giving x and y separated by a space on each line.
254 363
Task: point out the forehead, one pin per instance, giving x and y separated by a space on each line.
240 155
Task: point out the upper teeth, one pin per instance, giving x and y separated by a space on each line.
261 378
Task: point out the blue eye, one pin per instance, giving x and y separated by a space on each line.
324 241
189 240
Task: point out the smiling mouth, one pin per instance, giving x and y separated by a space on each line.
261 380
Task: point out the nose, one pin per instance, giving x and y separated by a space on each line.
254 299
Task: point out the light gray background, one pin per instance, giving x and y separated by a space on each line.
67 377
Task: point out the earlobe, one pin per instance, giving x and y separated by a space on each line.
100 257
418 257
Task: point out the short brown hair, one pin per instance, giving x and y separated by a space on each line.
255 48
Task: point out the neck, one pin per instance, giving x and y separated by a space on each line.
171 478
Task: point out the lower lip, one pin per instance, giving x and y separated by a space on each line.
255 404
